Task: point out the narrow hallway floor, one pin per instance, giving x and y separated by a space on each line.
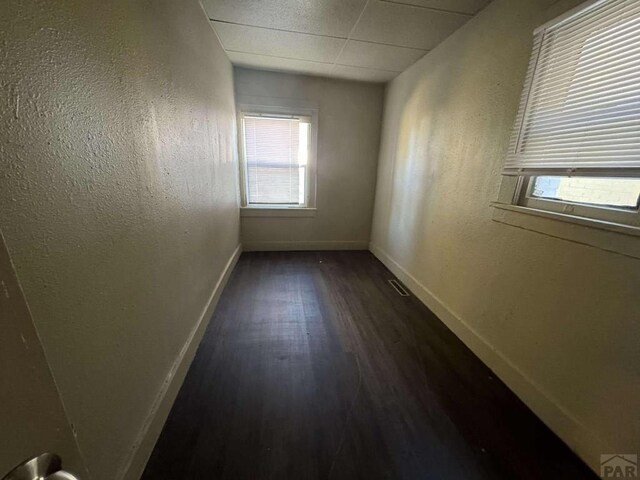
313 367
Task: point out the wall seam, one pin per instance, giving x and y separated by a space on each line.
190 346
46 358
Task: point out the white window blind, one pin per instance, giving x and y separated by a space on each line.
275 152
580 108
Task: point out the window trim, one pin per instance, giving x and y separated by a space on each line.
603 213
569 221
539 165
281 212
606 236
275 106
561 222
601 234
567 15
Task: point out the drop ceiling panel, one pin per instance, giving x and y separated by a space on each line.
323 17
362 74
463 6
263 41
375 55
370 40
407 26
280 64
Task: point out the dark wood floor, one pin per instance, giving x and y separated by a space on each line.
313 367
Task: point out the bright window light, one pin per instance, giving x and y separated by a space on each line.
607 192
276 151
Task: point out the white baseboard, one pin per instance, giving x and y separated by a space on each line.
315 245
134 466
576 435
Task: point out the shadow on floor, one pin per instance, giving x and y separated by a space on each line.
313 367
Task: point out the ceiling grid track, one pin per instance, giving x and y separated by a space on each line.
353 29
366 40
433 9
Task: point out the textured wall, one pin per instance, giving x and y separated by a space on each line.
348 139
118 195
32 418
558 320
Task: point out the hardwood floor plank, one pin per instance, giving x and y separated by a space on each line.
313 367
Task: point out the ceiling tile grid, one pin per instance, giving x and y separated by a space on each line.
378 56
266 62
369 40
277 43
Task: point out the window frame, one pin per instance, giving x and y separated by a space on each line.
278 108
515 190
607 213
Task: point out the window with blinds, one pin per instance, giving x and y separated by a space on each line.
580 108
276 150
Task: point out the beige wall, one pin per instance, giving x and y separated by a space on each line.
348 138
118 197
32 418
557 320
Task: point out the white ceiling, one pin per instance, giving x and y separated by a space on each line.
371 40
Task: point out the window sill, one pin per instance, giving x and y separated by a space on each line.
277 212
608 236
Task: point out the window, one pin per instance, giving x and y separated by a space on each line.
609 199
576 141
276 159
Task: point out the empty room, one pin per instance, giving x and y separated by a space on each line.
319 239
